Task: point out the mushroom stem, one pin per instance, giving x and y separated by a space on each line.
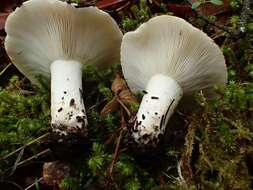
161 98
67 106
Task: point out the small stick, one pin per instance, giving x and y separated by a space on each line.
110 139
125 108
26 145
123 7
116 151
179 171
34 156
28 159
17 161
29 187
2 72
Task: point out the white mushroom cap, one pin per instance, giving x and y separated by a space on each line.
167 58
42 31
171 46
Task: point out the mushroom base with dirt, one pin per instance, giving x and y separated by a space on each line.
160 99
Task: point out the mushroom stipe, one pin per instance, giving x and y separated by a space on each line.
169 108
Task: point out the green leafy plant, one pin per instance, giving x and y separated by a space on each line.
139 14
199 3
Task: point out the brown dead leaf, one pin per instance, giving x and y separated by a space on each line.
222 12
184 11
127 97
104 4
3 17
110 107
122 97
210 9
6 7
118 85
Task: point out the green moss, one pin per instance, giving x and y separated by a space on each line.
224 137
139 14
23 118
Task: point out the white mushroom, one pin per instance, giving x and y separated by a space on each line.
166 58
54 39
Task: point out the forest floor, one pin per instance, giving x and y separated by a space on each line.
209 147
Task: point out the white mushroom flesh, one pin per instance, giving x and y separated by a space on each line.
67 106
160 99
